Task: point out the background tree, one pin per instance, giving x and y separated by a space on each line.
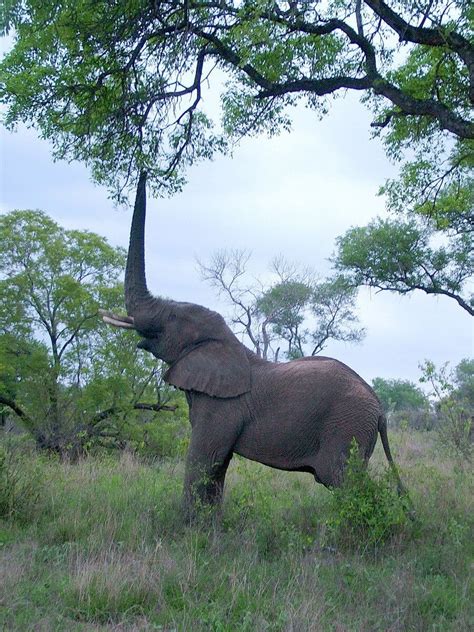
451 390
399 395
464 381
67 377
294 309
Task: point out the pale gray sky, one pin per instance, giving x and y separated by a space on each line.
290 195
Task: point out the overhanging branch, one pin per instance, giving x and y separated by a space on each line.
407 104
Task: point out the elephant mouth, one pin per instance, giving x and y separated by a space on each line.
145 344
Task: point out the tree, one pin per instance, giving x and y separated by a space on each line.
399 256
22 361
120 85
65 375
295 309
399 395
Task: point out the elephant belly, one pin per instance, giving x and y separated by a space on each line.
304 411
283 445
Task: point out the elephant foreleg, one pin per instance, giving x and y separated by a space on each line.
205 475
204 484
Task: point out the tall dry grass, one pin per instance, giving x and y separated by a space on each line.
105 548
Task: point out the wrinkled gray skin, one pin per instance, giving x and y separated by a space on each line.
300 415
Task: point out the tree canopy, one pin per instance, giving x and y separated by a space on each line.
399 256
464 380
399 395
120 85
453 390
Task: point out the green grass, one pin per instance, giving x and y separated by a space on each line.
100 545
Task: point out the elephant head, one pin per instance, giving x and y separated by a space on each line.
202 352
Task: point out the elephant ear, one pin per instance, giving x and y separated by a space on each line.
220 369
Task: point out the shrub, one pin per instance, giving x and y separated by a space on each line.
365 512
456 427
167 436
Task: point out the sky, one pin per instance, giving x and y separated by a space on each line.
290 195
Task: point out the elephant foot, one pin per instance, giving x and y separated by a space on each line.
200 513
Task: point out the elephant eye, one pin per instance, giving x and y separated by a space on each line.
172 317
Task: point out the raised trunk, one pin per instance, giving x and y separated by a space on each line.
136 290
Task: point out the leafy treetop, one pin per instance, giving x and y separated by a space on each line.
399 256
120 84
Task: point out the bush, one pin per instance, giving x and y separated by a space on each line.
20 487
456 427
166 436
365 512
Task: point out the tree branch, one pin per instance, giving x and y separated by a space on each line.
417 286
372 80
26 419
113 410
428 36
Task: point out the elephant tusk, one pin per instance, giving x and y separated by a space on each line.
116 320
120 317
117 323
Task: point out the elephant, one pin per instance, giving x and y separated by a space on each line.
300 415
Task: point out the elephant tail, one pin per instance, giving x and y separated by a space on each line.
382 426
401 489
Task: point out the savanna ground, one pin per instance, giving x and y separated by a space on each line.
100 545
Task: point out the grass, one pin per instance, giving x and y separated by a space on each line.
102 547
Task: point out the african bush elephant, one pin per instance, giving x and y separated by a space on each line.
300 415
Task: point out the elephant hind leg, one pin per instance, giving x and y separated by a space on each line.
329 469
331 461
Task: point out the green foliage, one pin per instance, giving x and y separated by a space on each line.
22 360
365 512
399 256
397 395
120 86
464 380
163 434
108 122
76 384
437 188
